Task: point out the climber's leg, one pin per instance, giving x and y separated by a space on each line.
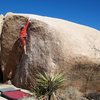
25 49
24 44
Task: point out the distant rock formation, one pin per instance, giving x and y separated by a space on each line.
53 45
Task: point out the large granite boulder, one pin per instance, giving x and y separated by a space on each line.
54 46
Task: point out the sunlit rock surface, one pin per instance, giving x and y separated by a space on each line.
53 45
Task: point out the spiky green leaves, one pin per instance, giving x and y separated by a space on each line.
47 85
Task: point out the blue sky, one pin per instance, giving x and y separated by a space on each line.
86 12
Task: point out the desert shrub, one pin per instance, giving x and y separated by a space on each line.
46 85
71 93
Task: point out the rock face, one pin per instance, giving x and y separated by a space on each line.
43 53
54 46
11 51
1 24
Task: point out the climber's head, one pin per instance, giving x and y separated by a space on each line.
21 28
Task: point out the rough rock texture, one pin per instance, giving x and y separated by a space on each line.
43 53
53 45
11 51
1 24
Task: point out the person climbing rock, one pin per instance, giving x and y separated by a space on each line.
23 34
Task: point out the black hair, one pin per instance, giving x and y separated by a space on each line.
21 28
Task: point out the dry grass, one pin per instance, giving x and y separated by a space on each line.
71 93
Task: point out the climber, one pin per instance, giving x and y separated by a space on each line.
23 34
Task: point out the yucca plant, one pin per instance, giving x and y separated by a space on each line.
47 85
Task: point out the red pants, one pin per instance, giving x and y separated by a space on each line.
22 40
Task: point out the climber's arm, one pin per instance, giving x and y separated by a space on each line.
27 23
23 30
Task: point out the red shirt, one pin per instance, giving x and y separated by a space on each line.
23 31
